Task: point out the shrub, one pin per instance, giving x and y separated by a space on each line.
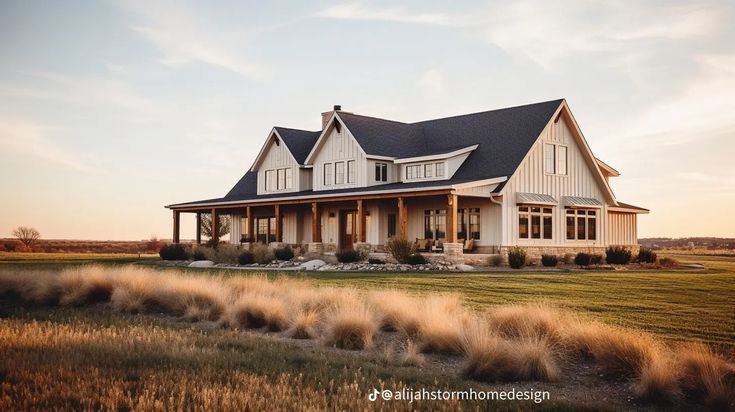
646 256
246 258
704 375
213 243
374 261
441 323
596 259
567 258
416 259
11 246
668 262
496 260
284 253
198 255
226 253
549 260
400 249
174 251
618 255
351 327
516 257
582 259
348 256
262 254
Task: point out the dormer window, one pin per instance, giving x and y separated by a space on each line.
427 171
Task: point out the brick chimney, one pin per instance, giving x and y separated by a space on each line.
326 116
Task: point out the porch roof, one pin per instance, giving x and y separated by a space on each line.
397 188
577 201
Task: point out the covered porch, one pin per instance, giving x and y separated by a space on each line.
440 221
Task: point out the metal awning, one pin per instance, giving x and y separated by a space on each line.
535 199
575 201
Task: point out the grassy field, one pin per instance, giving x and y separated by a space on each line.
92 358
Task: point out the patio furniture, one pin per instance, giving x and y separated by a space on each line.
469 245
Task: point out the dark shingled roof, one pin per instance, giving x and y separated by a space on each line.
299 142
504 137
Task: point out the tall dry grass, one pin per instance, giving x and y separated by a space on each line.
505 343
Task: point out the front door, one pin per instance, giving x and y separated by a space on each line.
347 228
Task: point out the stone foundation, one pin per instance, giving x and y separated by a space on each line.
315 247
453 252
535 252
363 247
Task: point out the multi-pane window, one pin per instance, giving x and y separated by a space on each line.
270 180
339 173
328 176
549 158
468 223
381 172
435 224
581 224
281 179
350 171
289 178
429 169
440 169
562 161
535 222
414 172
265 229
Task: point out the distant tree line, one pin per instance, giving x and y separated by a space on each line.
688 242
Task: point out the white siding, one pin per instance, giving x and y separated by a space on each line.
530 177
235 229
622 228
339 147
278 157
290 227
392 172
490 230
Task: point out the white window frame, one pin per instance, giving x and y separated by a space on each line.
269 180
562 160
339 175
543 211
350 171
587 216
289 178
440 166
549 163
328 174
280 179
429 170
381 172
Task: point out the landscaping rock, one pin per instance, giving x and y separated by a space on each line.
312 264
694 266
201 264
464 268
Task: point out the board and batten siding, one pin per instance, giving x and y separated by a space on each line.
490 230
278 157
531 178
622 229
336 147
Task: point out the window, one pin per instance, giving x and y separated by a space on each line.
381 172
535 222
289 178
350 171
562 169
468 223
270 180
265 229
281 179
391 225
581 224
440 169
328 176
549 158
414 172
429 170
435 224
339 173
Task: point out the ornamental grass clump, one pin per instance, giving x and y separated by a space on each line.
350 327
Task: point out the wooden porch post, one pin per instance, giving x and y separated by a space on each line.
402 219
452 218
249 224
360 222
177 216
316 223
199 228
279 224
215 225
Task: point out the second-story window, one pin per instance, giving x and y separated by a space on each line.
328 176
549 158
281 179
440 169
414 172
270 180
381 172
429 169
289 178
339 173
350 171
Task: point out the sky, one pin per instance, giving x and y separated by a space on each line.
110 110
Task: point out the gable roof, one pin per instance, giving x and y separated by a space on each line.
503 138
299 142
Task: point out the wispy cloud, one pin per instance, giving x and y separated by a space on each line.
183 37
358 11
26 138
